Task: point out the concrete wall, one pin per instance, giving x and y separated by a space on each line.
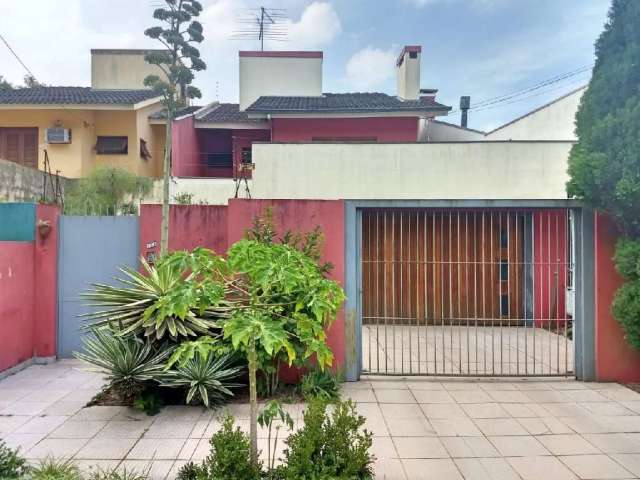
437 131
482 170
78 158
218 227
28 299
209 191
390 129
120 69
279 73
553 121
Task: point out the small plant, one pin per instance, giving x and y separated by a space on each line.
183 198
12 465
55 469
208 379
322 384
273 411
149 402
179 298
128 362
230 456
332 446
192 471
120 474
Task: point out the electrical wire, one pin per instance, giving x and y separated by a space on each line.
17 57
500 99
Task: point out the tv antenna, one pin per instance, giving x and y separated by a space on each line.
262 23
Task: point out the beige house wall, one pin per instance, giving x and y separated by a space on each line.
78 158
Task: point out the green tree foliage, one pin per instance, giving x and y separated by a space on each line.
5 84
604 165
106 191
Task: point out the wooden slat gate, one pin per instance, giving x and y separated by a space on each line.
466 292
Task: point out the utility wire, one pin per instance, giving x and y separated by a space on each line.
17 57
511 95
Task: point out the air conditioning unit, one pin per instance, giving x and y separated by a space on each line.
58 135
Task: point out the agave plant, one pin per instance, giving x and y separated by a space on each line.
127 361
180 297
208 379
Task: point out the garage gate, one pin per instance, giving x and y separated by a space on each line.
467 292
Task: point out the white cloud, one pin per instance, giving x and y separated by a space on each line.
319 24
369 68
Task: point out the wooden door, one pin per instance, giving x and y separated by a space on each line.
19 145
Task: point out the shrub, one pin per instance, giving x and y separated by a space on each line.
626 309
332 446
104 192
207 379
12 465
627 258
55 469
192 471
322 384
128 362
230 456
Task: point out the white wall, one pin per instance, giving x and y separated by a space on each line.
286 76
212 191
437 131
554 121
483 170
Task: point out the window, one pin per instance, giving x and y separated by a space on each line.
144 150
112 145
219 160
504 270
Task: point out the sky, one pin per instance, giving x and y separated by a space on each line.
481 48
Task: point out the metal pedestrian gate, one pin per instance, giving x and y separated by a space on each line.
91 249
467 292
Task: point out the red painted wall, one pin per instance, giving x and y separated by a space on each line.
185 153
384 129
615 359
28 294
16 302
302 216
46 283
190 226
219 226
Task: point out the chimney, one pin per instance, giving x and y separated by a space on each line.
465 103
408 71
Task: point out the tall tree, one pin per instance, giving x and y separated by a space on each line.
4 84
604 165
178 34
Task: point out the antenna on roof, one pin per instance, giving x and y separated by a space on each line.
262 23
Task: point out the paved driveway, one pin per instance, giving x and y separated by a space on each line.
424 428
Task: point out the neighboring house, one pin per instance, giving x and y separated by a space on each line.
81 127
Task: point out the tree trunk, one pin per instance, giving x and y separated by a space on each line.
253 399
164 232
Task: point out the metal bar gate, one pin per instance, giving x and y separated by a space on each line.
467 292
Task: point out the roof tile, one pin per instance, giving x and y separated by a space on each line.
73 96
345 103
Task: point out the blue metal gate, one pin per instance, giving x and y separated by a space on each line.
91 250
